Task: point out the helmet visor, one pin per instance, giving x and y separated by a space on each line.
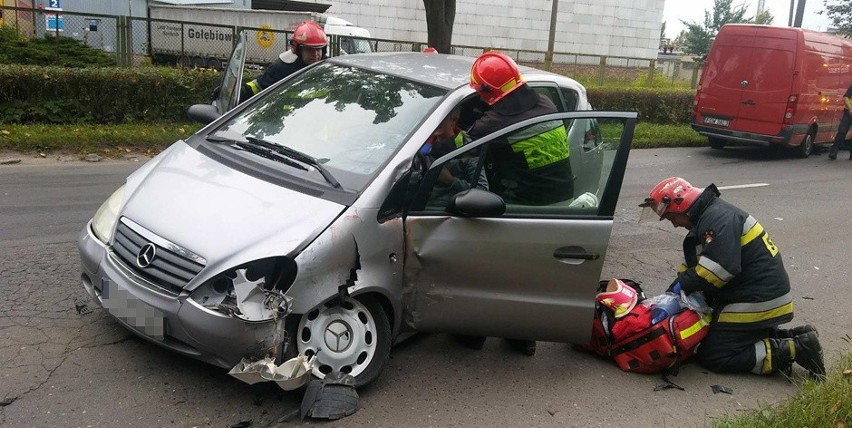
651 210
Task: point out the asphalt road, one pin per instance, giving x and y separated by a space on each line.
60 368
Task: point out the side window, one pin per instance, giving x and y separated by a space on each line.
571 98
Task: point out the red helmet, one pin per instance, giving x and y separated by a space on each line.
619 297
672 195
495 75
308 34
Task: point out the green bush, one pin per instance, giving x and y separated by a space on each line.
59 95
49 50
655 105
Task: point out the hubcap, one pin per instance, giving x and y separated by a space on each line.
343 338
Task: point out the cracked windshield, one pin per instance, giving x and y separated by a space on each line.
349 119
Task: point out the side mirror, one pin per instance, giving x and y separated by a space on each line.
476 203
203 113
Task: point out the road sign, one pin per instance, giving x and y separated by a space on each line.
54 22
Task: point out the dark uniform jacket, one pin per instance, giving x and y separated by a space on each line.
286 64
732 260
534 167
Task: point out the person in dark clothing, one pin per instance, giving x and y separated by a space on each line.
843 129
731 259
532 166
307 46
457 174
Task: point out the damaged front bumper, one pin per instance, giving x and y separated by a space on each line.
178 322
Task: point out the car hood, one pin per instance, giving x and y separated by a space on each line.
221 214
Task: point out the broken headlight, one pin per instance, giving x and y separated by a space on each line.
251 292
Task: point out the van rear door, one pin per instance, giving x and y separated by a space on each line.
749 79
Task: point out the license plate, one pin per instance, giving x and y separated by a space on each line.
715 121
132 311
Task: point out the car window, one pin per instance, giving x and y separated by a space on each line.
566 187
351 120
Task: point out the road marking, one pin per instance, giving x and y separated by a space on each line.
743 186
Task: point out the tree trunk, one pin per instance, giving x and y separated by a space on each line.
440 15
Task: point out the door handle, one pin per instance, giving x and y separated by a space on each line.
574 253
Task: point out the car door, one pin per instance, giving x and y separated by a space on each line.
228 94
528 273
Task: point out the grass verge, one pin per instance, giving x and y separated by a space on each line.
115 140
106 140
826 404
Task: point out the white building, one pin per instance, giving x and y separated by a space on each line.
629 28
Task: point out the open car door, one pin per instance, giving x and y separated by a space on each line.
232 77
476 265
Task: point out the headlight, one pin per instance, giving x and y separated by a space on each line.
252 292
103 223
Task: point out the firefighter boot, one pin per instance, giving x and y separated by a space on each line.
782 333
803 349
832 152
808 354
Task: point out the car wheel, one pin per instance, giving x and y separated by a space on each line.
807 146
351 337
716 143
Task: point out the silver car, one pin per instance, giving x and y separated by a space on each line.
303 222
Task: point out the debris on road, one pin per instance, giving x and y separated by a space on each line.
10 161
668 384
82 308
91 157
330 398
719 388
242 424
290 375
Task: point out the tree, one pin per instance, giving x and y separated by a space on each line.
840 13
699 37
763 18
440 15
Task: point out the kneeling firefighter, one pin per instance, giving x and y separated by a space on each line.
729 256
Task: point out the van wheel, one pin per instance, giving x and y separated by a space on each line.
716 143
807 146
351 337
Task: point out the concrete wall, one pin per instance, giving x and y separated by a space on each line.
597 27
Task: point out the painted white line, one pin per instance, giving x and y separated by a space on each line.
743 186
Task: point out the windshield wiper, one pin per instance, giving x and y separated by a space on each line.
297 155
258 149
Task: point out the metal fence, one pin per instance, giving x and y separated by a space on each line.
138 40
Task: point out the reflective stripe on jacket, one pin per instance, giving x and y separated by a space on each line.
732 259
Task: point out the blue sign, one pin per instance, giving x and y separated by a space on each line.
53 4
54 23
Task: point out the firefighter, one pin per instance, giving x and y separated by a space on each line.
729 256
532 166
307 46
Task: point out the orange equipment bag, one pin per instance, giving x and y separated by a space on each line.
640 347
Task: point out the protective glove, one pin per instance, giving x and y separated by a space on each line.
675 287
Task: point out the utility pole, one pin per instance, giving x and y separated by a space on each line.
548 56
790 16
800 13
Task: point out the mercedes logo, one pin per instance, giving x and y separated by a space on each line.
338 336
146 255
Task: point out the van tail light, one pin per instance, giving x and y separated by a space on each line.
790 111
695 102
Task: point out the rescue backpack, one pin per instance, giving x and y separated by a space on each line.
636 345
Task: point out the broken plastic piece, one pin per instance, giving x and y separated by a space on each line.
330 398
81 308
250 371
292 374
255 303
719 388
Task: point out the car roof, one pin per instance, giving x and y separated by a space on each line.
446 71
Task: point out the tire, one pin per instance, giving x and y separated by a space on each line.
716 143
807 146
353 337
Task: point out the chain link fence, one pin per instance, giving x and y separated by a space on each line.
137 40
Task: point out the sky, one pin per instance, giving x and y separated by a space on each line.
693 10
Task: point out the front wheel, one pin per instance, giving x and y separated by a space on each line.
351 337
